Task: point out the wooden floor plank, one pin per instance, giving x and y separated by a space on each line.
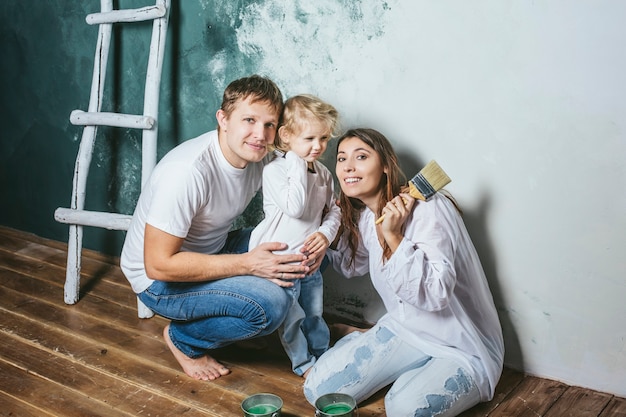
10 236
95 267
105 390
11 406
615 408
53 398
104 276
97 305
579 402
531 398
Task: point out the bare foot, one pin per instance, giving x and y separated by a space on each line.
306 373
204 368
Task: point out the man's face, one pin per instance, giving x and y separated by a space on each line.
247 132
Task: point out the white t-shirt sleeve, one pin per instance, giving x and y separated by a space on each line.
175 202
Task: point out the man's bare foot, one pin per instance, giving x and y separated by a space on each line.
204 368
306 373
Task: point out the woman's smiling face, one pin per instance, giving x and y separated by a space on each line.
359 170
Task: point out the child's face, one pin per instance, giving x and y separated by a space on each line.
247 132
310 141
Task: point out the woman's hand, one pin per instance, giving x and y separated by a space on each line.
396 212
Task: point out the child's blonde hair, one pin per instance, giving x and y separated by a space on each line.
304 107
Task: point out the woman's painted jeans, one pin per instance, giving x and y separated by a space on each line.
212 314
360 364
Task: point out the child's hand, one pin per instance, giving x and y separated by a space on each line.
316 244
315 248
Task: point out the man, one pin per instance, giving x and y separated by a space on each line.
179 256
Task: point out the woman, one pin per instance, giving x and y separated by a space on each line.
440 342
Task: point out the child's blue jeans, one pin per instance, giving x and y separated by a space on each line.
304 333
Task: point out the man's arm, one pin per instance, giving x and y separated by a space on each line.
164 261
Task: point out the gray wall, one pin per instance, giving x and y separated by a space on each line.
521 102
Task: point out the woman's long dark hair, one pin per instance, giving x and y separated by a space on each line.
391 184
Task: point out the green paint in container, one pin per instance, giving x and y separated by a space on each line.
338 409
262 405
262 409
335 405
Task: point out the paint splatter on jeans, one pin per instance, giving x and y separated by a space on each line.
361 364
457 393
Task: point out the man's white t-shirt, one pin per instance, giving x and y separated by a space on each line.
193 193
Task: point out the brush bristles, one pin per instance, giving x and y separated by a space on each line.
435 176
428 181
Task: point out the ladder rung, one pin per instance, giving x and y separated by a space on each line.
82 118
111 221
128 15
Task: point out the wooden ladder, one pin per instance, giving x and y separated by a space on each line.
76 216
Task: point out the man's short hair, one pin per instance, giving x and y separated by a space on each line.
257 88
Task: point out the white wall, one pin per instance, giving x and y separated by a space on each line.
524 105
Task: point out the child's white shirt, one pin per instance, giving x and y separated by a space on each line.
293 202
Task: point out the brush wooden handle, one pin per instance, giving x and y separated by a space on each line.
381 218
431 177
414 192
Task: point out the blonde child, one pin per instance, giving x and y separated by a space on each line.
300 209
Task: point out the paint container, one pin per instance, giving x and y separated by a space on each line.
335 405
262 405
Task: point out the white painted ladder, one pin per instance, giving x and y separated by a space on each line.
76 216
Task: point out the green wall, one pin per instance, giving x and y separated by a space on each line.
45 73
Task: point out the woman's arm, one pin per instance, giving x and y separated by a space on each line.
341 256
422 268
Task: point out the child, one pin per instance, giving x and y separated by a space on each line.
300 209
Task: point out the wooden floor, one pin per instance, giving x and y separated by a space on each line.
96 358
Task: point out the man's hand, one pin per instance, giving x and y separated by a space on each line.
280 269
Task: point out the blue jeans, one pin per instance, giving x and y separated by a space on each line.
360 364
304 333
212 314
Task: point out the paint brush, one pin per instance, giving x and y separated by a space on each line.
426 183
